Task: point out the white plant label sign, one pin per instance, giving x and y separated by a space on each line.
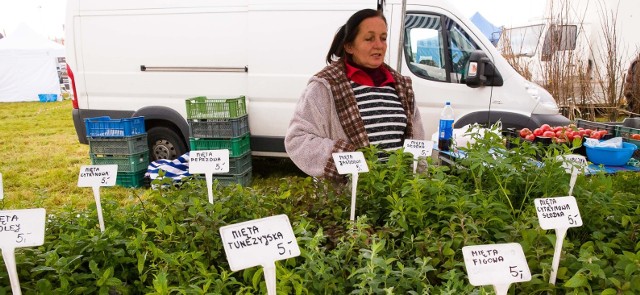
574 165
22 228
18 229
351 162
499 265
209 161
419 148
574 162
260 242
560 212
1 188
97 175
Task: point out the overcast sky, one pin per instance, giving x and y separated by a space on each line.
47 16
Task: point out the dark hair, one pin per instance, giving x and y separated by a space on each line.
347 33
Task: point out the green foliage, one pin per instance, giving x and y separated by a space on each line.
407 238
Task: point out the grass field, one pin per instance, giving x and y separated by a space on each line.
40 158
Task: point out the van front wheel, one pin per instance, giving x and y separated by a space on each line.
165 143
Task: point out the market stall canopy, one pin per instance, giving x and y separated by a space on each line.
28 65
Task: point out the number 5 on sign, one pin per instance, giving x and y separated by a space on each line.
95 176
20 228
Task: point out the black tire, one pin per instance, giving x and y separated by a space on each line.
165 143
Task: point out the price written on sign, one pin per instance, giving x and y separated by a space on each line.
97 175
209 161
352 162
22 228
419 148
496 264
259 242
560 212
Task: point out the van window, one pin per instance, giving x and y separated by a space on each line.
522 41
460 47
424 47
435 53
559 38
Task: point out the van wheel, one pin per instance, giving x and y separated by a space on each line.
164 143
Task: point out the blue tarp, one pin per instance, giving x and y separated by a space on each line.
487 28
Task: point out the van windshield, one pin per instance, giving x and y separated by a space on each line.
521 41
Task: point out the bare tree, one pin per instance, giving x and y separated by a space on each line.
609 74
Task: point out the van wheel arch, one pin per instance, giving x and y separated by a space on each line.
167 132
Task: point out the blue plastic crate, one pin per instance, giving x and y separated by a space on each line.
48 97
106 127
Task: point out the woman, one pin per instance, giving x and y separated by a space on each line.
355 101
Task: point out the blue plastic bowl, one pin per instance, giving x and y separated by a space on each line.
611 156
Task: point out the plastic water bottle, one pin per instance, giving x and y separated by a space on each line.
445 131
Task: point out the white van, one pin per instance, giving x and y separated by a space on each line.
145 57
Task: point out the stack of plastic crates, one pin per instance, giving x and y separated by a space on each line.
122 142
222 124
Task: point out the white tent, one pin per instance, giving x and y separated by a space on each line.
28 66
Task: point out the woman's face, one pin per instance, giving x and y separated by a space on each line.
370 45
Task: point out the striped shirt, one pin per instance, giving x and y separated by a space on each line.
385 120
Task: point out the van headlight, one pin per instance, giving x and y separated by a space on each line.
541 95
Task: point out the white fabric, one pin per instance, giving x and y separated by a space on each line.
28 66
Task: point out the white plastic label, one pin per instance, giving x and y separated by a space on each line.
419 148
1 188
496 264
97 175
22 228
209 161
259 242
560 212
349 163
574 162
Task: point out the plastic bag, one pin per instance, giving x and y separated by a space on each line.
615 142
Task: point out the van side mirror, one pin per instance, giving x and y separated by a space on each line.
481 71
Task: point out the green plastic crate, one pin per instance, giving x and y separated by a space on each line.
219 128
118 145
243 179
610 127
126 163
202 107
237 146
131 179
626 132
240 164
